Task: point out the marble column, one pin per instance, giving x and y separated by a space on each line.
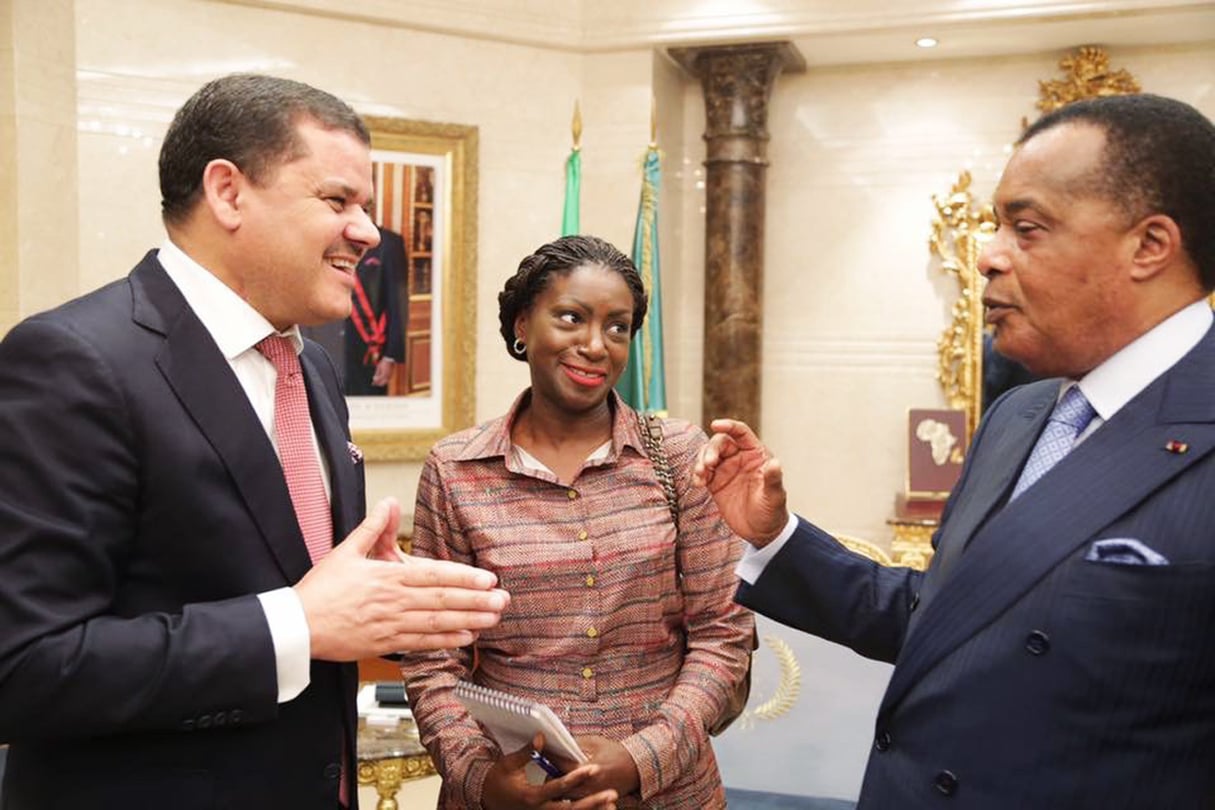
737 82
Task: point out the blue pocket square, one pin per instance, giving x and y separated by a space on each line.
1124 551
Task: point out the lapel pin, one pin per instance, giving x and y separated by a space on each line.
1174 446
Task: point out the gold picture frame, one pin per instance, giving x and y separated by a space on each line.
443 339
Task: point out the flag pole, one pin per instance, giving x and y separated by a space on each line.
571 215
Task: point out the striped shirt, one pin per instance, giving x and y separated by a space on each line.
601 627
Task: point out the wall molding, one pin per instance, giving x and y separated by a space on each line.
589 26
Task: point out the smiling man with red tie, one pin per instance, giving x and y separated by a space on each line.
186 574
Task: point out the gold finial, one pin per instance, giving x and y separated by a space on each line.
653 122
576 126
1088 76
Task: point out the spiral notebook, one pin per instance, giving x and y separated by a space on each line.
513 721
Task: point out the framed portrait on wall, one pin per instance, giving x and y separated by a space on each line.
425 178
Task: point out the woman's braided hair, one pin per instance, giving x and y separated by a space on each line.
560 257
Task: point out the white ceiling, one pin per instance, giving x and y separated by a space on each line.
827 32
1010 36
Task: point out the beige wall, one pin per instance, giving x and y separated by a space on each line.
38 181
853 302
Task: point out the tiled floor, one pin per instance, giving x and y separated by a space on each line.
758 800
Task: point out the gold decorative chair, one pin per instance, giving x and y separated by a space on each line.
864 548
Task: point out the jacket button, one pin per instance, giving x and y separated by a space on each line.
946 782
1037 642
882 742
221 719
235 716
915 603
333 770
204 721
187 725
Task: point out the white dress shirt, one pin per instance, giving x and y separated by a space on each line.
1108 388
237 328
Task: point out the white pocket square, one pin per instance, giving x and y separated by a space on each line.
1124 551
356 455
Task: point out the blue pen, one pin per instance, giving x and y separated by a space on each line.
549 768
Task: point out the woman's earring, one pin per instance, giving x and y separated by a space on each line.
519 347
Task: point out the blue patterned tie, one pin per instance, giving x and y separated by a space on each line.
1069 419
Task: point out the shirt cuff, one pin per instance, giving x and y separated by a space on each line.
292 641
755 560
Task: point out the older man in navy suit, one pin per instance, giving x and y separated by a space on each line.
185 584
1060 650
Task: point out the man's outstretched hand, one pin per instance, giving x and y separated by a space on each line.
366 599
745 481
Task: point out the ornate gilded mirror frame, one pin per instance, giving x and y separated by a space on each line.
961 226
959 231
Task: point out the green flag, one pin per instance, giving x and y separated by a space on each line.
644 384
570 220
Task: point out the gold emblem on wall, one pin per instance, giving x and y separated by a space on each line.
787 691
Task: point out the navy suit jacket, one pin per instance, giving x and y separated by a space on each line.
142 508
1025 675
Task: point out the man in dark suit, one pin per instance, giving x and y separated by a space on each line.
369 344
1060 650
168 638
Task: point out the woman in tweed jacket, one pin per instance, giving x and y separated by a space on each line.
625 627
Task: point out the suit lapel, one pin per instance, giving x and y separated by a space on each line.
204 383
994 472
1113 470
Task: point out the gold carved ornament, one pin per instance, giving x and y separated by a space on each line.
959 231
1088 76
912 543
387 775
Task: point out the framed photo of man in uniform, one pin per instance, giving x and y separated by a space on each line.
426 202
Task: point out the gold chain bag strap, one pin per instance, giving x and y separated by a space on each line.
651 435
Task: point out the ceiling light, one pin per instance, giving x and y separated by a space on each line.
926 42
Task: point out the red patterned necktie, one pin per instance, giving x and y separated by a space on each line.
293 435
301 467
